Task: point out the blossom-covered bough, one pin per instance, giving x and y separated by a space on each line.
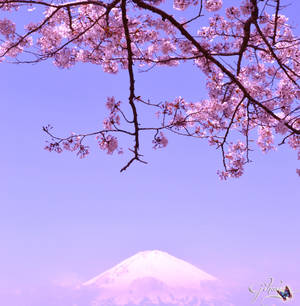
248 53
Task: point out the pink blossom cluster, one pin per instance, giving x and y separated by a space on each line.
7 28
265 139
183 4
213 5
72 143
54 147
8 6
160 141
108 143
113 118
236 161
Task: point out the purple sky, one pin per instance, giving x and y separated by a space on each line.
63 218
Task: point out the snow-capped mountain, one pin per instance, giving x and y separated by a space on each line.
155 278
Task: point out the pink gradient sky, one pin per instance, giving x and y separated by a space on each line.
65 219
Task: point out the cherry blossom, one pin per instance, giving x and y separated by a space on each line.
182 4
248 54
213 5
108 143
7 28
160 141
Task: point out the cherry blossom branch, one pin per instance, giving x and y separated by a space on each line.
207 55
231 122
247 28
68 4
276 21
131 88
259 64
196 17
22 38
283 67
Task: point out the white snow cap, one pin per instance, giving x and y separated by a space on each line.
157 264
155 277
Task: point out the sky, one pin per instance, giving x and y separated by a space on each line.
66 220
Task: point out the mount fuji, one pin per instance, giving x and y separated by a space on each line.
156 278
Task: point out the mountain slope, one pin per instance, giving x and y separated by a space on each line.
155 278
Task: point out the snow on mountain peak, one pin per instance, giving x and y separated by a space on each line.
157 278
156 264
